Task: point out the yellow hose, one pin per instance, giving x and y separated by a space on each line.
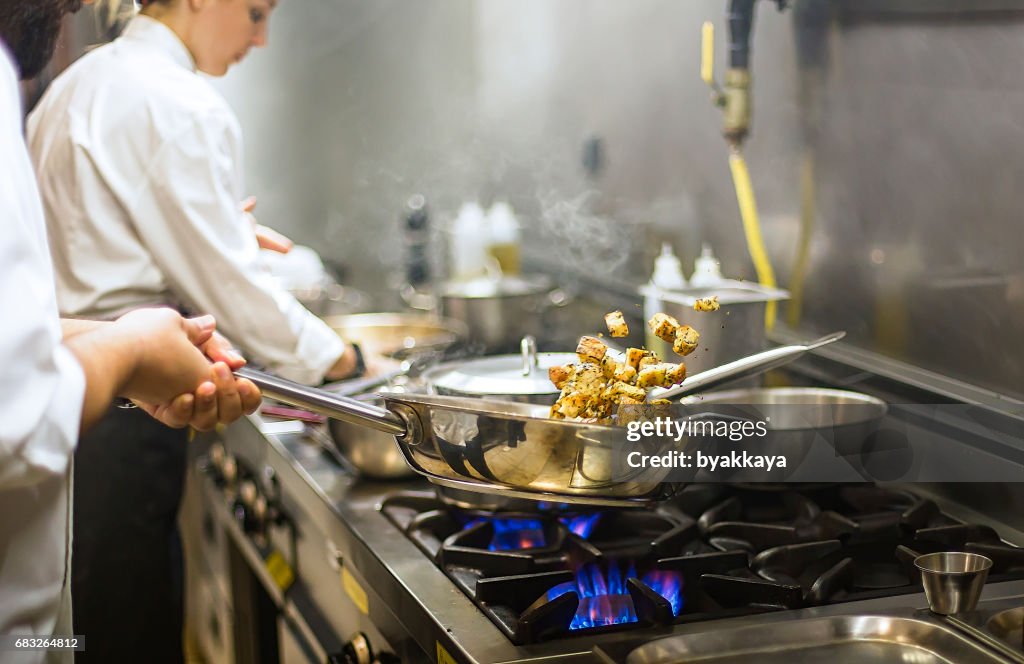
803 251
752 230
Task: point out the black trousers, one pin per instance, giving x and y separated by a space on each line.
126 563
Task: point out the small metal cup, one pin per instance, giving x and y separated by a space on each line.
953 581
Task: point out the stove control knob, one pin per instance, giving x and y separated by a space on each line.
244 506
229 471
217 454
356 651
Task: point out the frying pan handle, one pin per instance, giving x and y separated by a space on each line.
745 367
326 403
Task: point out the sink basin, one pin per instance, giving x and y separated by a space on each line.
860 638
1008 626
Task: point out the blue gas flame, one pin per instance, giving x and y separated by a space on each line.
604 599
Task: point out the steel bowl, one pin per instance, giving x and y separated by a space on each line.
796 419
373 453
399 335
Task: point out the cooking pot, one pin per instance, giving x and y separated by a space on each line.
500 311
522 378
399 335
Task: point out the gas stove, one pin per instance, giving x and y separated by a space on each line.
715 551
412 576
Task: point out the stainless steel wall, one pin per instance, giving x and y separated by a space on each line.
911 116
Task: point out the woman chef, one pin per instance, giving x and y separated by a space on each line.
139 163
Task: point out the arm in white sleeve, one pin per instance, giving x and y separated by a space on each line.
187 213
41 383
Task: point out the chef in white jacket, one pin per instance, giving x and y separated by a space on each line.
139 162
58 377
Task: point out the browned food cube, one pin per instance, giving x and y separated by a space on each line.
588 379
616 323
560 375
608 366
624 373
707 304
661 402
591 347
686 340
633 357
648 360
675 374
663 326
570 404
620 390
652 376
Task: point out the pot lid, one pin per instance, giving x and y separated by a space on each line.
501 286
498 374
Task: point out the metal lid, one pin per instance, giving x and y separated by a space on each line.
522 375
499 374
729 292
503 286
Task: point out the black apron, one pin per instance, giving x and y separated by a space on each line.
126 562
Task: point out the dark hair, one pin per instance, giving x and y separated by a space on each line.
30 30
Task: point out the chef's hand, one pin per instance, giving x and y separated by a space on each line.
345 365
220 398
266 237
375 365
228 397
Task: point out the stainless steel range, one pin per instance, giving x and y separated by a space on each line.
312 564
715 551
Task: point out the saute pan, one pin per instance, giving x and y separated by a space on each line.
512 449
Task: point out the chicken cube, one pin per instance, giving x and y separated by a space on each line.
608 366
616 323
652 376
686 340
633 357
591 348
624 374
675 374
622 390
707 304
663 326
588 378
570 404
560 375
649 360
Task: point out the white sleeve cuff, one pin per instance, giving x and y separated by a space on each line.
319 347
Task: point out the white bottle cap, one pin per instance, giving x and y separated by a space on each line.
468 242
668 270
504 227
706 269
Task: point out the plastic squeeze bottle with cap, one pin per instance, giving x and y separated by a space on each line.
468 242
667 276
707 272
504 241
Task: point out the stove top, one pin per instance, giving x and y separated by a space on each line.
714 551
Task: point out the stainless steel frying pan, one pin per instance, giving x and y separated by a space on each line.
513 449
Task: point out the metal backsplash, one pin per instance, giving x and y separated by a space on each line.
590 117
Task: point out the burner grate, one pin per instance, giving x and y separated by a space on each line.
714 552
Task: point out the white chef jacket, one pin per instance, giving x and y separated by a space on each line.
139 163
41 392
